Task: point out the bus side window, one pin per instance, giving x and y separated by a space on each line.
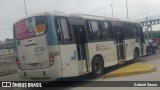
130 30
126 30
59 31
117 28
102 30
135 31
140 33
108 30
95 30
89 32
64 31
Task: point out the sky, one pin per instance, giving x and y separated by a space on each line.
12 10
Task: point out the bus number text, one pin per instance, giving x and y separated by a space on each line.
39 49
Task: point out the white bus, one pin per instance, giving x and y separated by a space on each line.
57 45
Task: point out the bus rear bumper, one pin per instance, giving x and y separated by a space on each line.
47 73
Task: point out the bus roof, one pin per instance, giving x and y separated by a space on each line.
44 14
76 15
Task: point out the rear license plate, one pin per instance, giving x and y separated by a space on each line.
34 65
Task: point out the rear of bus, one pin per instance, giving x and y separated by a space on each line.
36 48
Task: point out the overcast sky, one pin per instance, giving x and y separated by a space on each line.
12 10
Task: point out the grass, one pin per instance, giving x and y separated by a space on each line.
5 73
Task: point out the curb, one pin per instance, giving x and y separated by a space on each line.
136 68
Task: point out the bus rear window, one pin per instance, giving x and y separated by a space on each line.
31 27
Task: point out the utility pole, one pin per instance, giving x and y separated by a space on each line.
25 7
147 30
151 29
127 10
112 8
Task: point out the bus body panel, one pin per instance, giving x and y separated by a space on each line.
34 54
46 73
33 51
53 72
71 66
106 49
130 45
69 60
144 46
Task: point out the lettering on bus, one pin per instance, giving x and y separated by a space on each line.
38 54
39 49
101 47
132 44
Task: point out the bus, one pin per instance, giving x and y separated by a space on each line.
58 45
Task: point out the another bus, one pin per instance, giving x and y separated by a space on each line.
57 45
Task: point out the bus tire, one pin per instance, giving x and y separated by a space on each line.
136 55
97 66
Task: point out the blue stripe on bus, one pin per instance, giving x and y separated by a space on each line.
51 33
74 57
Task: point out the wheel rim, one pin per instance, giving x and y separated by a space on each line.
97 68
135 56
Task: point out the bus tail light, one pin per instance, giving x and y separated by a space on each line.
18 63
51 58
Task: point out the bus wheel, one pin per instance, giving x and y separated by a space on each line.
97 66
136 55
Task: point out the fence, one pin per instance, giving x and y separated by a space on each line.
7 59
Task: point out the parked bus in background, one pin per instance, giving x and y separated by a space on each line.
57 45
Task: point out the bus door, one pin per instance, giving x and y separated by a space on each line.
78 30
142 39
80 40
119 41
